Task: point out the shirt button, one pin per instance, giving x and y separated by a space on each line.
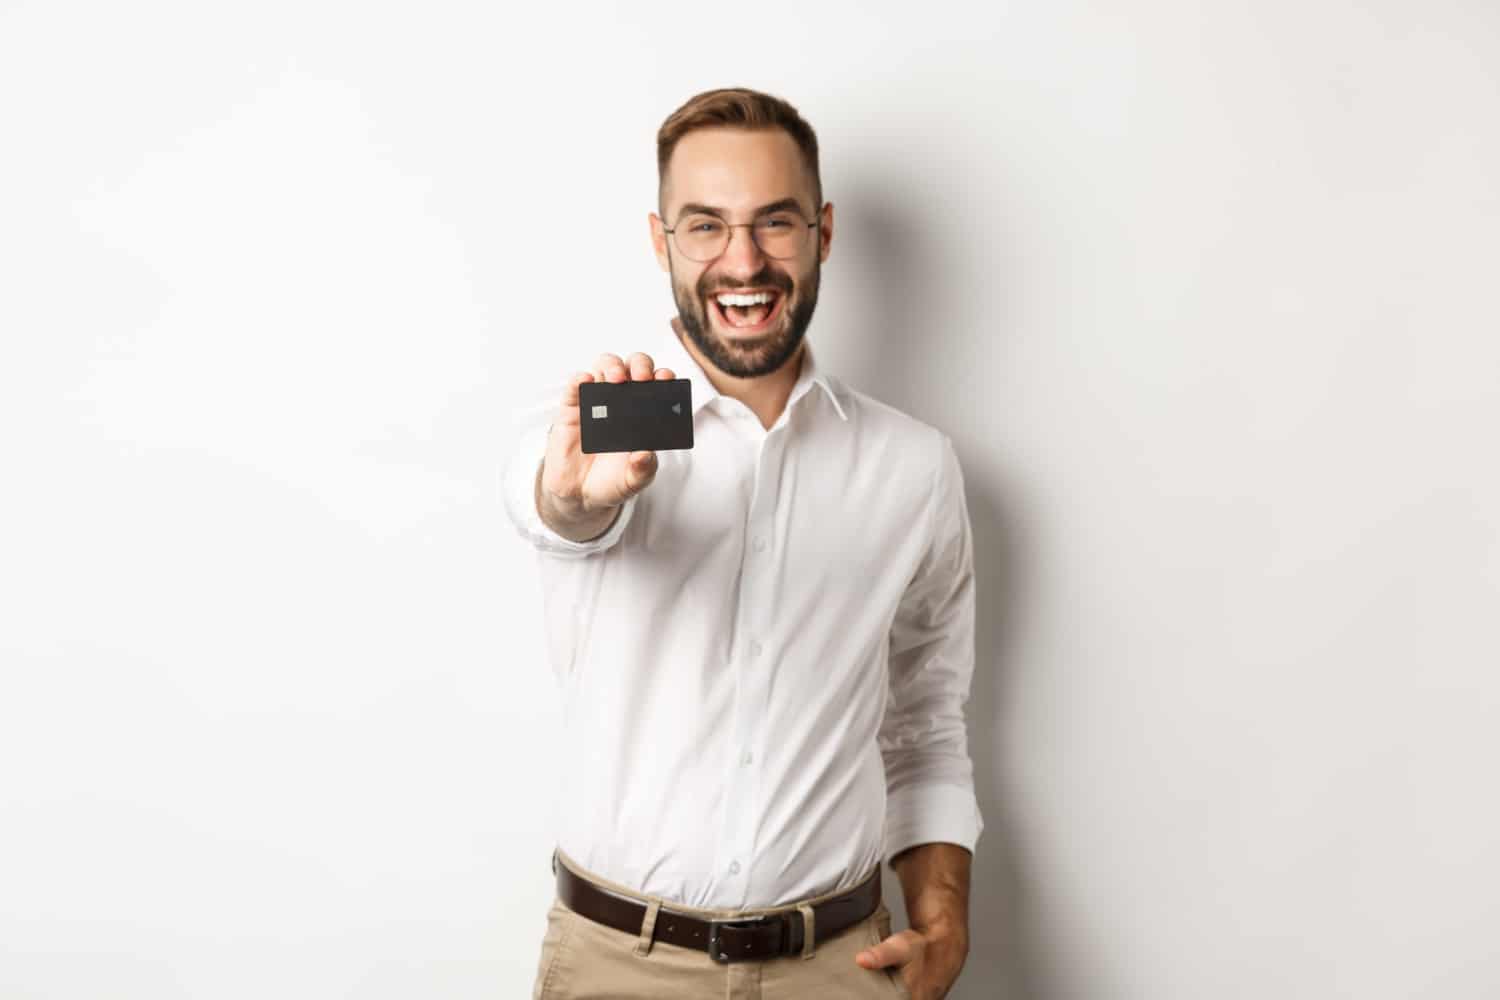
747 758
760 545
734 867
754 648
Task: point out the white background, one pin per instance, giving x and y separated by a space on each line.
1204 293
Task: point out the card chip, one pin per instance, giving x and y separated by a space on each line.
601 412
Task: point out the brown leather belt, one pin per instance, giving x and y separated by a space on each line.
729 940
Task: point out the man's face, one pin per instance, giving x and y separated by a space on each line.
736 173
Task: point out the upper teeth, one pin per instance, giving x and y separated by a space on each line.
744 300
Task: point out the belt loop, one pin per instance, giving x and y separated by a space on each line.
648 928
807 930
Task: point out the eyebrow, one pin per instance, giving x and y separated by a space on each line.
775 206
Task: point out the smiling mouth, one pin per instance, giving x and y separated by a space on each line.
748 320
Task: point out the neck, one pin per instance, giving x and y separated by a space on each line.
765 395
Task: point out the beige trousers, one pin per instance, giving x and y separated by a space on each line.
584 960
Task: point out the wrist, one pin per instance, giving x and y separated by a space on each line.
945 932
570 519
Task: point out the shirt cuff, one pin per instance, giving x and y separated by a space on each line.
928 814
520 504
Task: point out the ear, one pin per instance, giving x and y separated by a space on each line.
659 241
825 232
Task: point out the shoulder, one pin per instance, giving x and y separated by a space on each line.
885 428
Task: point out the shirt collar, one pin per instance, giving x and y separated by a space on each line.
671 354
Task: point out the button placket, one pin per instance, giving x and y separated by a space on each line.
737 793
750 673
741 789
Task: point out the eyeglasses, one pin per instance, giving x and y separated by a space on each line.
780 235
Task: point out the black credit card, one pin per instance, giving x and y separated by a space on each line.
654 415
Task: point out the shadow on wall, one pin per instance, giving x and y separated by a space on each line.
892 259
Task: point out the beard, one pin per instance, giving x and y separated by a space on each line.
766 354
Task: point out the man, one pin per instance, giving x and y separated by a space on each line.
764 657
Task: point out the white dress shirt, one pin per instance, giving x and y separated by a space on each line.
764 662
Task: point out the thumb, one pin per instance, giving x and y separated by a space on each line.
898 949
640 469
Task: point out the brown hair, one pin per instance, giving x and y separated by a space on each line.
736 107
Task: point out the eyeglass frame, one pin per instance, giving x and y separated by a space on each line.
743 225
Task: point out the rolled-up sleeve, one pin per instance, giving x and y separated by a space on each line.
923 740
519 487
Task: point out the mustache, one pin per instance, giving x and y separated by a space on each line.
761 279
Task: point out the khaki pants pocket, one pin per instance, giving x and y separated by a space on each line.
553 942
882 931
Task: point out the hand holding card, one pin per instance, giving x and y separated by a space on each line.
580 488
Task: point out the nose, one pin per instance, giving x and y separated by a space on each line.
741 258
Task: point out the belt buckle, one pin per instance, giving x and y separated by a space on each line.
746 923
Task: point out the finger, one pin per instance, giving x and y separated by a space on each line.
665 373
641 367
568 412
570 392
611 368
